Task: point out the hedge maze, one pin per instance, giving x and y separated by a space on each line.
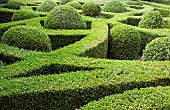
66 57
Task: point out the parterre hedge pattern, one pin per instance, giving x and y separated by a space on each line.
78 73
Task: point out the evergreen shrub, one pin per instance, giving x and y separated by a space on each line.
27 37
46 6
16 4
64 17
124 43
158 49
152 19
114 6
91 9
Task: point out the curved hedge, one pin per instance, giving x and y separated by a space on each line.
158 49
124 42
64 17
24 14
152 19
46 6
114 6
149 98
74 4
27 37
91 9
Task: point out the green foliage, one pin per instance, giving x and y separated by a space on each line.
143 99
164 12
24 14
167 2
63 2
91 9
124 42
152 19
74 4
114 6
16 4
1 64
64 17
27 37
4 1
158 49
46 6
71 87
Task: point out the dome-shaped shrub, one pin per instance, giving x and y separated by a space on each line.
125 43
64 17
46 6
152 19
91 9
74 4
16 4
114 6
24 14
27 37
4 1
63 2
158 49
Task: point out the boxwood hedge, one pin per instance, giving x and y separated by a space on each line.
148 98
67 78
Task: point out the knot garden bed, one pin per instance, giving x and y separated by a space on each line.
77 70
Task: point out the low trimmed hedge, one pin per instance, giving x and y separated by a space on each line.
148 98
74 89
24 14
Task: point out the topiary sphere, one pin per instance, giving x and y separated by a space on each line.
114 6
46 6
152 19
24 14
4 1
27 37
91 9
16 4
64 17
63 2
74 4
158 49
125 43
